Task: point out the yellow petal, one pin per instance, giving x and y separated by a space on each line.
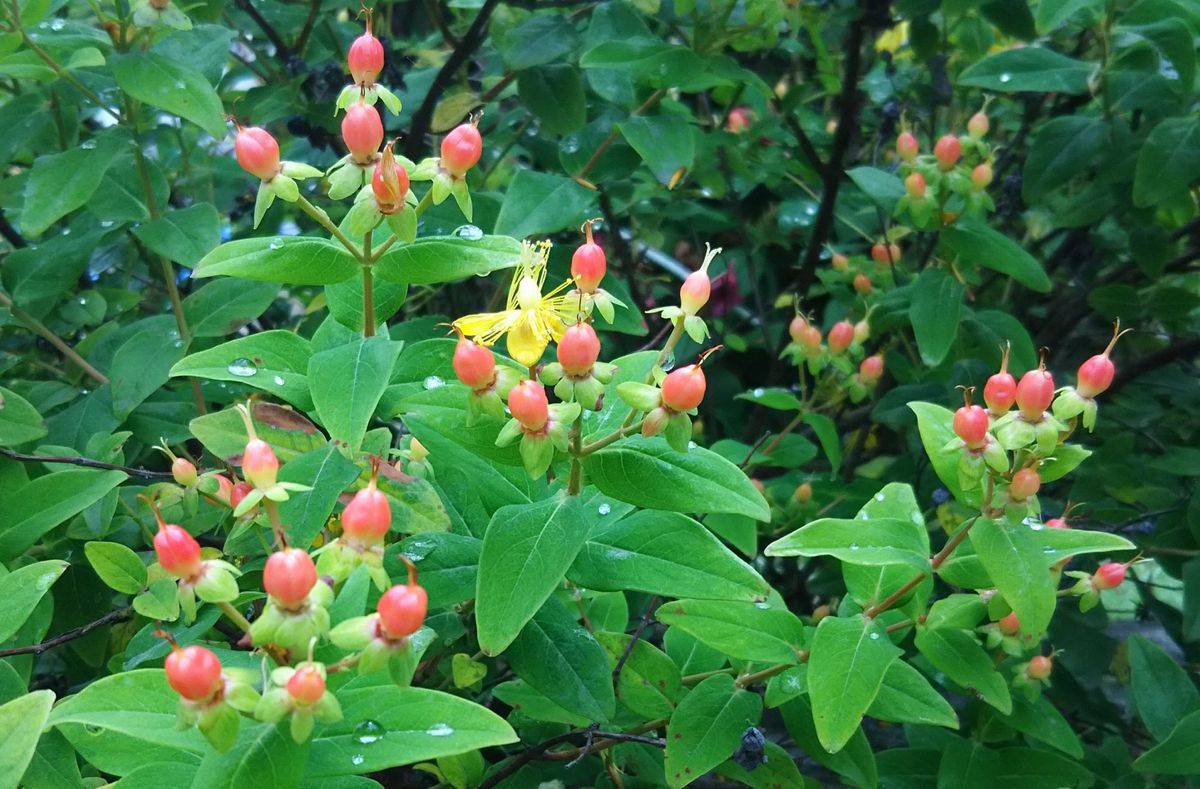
487 327
525 344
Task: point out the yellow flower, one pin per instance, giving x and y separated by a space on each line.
530 319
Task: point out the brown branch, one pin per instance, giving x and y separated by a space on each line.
120 615
85 462
934 564
310 22
806 144
40 329
541 750
282 50
637 634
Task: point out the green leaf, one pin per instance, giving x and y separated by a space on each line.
779 770
907 697
520 696
117 565
884 188
555 94
1063 148
775 397
159 601
1034 768
868 542
1052 13
1162 691
667 554
1178 754
274 361
185 235
448 563
707 728
526 550
856 761
141 366
1168 162
223 306
264 755
538 203
561 660
54 764
977 243
170 85
328 473
417 725
416 506
935 425
1066 458
347 382
1058 544
967 763
664 141
1029 69
908 768
38 506
827 435
298 260
224 434
868 585
345 301
846 666
959 656
648 473
428 261
935 313
1040 720
21 724
746 631
650 682
20 422
61 182
1014 559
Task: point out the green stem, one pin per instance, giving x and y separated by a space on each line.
235 616
575 481
368 285
322 219
616 435
63 73
40 329
276 522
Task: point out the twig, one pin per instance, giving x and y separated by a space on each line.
40 329
806 144
934 564
282 50
120 615
541 750
637 634
310 21
645 106
86 463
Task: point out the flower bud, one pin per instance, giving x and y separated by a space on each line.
1096 374
1039 667
840 337
177 551
914 184
810 340
183 471
907 146
981 176
947 151
307 685
804 492
474 364
683 389
1009 625
529 406
739 120
579 349
259 464
1109 576
978 125
1025 483
840 262
368 516
402 610
1034 393
193 672
871 370
289 576
862 284
362 131
365 58
862 331
461 149
257 152
389 182
885 254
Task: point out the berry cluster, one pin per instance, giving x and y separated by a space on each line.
949 182
831 358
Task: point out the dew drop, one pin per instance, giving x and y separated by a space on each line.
854 546
759 392
668 363
1037 526
242 367
369 731
570 144
179 84
440 730
87 145
469 233
178 344
433 382
357 759
57 24
879 497
604 508
278 380
874 636
1006 77
763 606
1049 549
276 244
66 231
106 223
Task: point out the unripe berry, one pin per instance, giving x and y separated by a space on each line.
840 336
177 551
306 686
1034 393
693 294
1000 391
239 491
840 262
810 339
1039 667
796 328
1056 523
1109 576
193 672
183 471
803 494
1096 374
474 364
588 265
871 370
947 150
579 349
365 58
368 516
739 120
1025 483
289 576
862 331
461 149
224 493
1009 625
529 406
402 610
257 152
389 182
683 389
862 284
914 184
362 131
885 254
971 425
260 467
907 146
978 125
981 176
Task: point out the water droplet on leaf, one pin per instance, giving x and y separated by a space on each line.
242 367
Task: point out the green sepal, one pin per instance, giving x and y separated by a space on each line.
639 396
302 725
327 709
346 179
506 378
509 433
355 633
426 170
217 583
589 393
404 224
696 328
219 725
348 94
995 457
272 706
363 216
374 657
970 470
678 432
603 372
462 196
655 421
299 170
1047 436
441 187
389 99
241 696
284 188
1015 433
551 374
537 452
266 196
250 502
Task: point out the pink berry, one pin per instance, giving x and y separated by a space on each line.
1000 391
971 425
885 254
862 284
183 471
193 672
1034 393
947 151
1109 576
1025 483
529 406
810 339
1009 625
840 336
365 58
739 120
796 328
981 176
1056 523
362 131
914 184
474 364
389 182
368 516
239 492
840 262
1039 667
978 125
683 389
257 152
907 146
579 349
289 576
871 370
177 551
402 610
694 292
588 265
259 464
461 149
804 493
306 686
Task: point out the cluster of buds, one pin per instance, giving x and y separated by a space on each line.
1033 675
382 638
840 351
541 427
669 407
366 520
953 180
693 295
209 698
1088 586
578 376
1005 634
863 272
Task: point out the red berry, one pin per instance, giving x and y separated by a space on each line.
239 492
1039 667
389 182
810 339
803 494
368 516
474 364
862 284
183 471
693 294
907 146
1109 576
739 120
289 576
588 266
914 184
1000 391
981 176
224 492
362 131
461 149
971 425
306 686
579 349
1009 625
257 152
683 389
862 331
1096 374
947 150
885 254
840 262
402 610
978 125
840 336
1025 483
1056 523
796 328
529 406
871 370
193 672
259 464
177 551
365 58
1034 393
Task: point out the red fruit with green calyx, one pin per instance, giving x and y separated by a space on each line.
1000 391
683 389
461 149
1039 667
840 262
362 131
981 176
289 576
368 516
947 151
914 184
840 336
260 467
389 182
871 370
183 471
306 686
474 364
257 152
978 125
579 349
529 406
1009 625
1034 393
1025 483
1109 576
365 58
1096 374
193 672
907 146
177 551
402 608
971 425
862 284
588 264
885 254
